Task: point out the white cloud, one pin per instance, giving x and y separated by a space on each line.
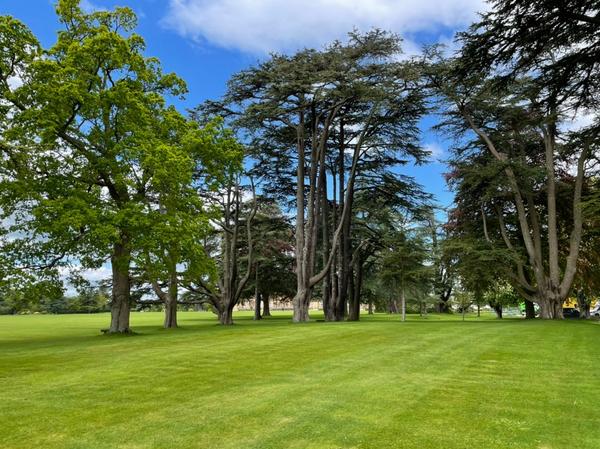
580 120
261 26
88 6
437 152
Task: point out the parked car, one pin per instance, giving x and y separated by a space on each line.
595 311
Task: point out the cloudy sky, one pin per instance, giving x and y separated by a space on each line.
205 41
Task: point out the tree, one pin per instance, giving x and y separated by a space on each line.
443 264
224 287
353 97
403 258
273 255
558 40
524 67
514 166
383 201
86 129
190 160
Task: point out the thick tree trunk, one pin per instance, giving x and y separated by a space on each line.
529 310
370 307
171 300
584 312
443 306
170 313
545 310
584 305
266 306
330 316
550 310
558 310
300 303
121 288
226 316
498 309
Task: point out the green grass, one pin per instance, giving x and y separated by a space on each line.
427 383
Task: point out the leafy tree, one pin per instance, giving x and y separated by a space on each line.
88 134
510 166
224 287
273 255
354 99
524 67
187 166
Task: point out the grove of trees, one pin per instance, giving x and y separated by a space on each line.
296 184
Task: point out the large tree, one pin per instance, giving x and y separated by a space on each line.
316 117
515 164
86 125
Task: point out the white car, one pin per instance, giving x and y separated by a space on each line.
595 311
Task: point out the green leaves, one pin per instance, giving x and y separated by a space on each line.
94 156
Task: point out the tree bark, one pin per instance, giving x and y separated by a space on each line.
170 313
403 303
266 306
226 316
121 288
354 314
257 301
443 305
498 309
529 310
300 303
171 302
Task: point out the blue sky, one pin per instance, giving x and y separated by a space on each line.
206 41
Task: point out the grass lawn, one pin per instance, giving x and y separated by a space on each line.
427 383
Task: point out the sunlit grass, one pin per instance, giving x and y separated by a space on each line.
433 382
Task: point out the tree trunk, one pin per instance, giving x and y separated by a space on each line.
498 309
403 303
300 303
257 301
444 303
529 310
121 289
354 314
170 313
266 306
171 300
558 310
334 305
584 313
325 243
545 309
226 316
